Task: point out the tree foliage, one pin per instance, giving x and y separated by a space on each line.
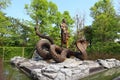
15 33
4 22
105 21
104 27
4 4
21 33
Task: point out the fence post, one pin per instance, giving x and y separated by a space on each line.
23 51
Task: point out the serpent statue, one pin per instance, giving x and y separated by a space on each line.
48 50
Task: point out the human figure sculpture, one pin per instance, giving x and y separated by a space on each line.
64 33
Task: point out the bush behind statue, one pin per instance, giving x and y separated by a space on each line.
106 47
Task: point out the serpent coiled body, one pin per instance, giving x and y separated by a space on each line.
51 51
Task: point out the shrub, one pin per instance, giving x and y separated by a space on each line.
108 47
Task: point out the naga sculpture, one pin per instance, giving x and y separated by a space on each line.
48 50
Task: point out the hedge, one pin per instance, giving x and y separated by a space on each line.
8 52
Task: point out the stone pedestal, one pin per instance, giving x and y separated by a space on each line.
70 69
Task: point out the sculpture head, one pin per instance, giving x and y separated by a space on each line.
63 20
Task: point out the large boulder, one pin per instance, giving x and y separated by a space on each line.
109 63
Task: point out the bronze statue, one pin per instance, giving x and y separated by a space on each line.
51 51
64 33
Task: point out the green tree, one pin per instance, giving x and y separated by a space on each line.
4 22
4 4
104 26
22 33
38 11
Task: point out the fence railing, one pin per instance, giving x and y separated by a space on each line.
6 53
